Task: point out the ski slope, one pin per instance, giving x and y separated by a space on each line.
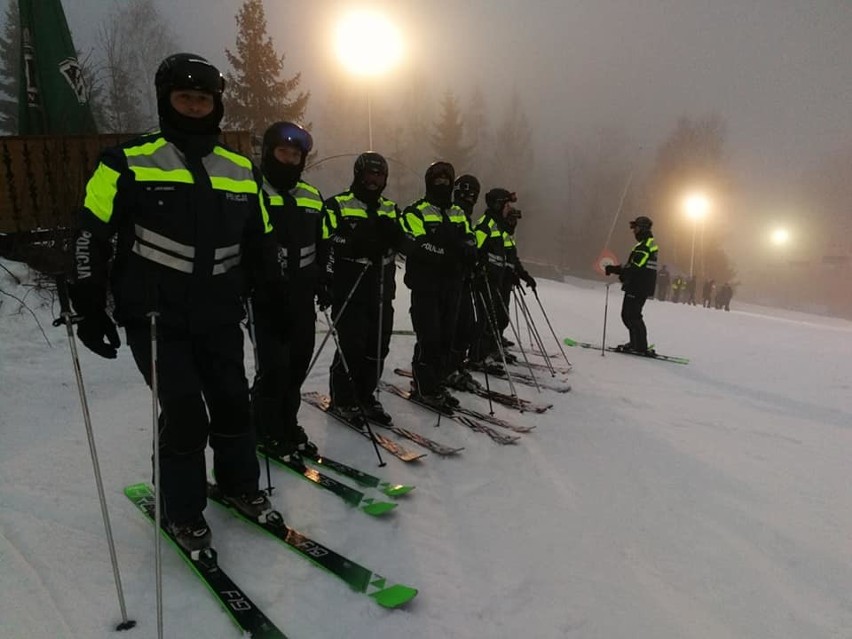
652 501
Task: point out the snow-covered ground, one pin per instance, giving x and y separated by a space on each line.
653 501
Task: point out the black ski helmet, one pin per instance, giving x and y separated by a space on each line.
467 187
286 133
496 198
370 161
437 170
641 223
188 71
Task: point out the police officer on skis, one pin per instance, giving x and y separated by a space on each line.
362 234
190 221
440 249
493 275
284 351
638 281
465 196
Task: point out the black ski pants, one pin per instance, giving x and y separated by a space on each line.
284 354
358 329
631 315
203 396
491 317
434 311
465 327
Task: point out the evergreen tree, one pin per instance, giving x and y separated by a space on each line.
512 162
478 134
256 93
448 139
10 55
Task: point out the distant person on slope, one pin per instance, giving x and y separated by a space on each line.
638 281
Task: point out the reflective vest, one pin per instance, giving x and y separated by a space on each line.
499 245
180 226
350 210
297 231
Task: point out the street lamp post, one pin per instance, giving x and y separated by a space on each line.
368 44
696 207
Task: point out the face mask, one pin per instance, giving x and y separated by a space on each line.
282 176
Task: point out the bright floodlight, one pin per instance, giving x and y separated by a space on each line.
780 237
696 206
367 43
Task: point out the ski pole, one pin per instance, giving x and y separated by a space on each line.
519 294
518 338
158 510
333 325
492 317
606 308
252 329
348 372
550 326
379 332
69 319
476 323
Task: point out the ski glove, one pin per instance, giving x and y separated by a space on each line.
98 333
609 269
529 280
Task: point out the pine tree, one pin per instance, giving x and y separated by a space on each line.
448 139
10 55
513 155
478 134
256 93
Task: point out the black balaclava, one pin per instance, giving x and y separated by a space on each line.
196 137
439 184
284 176
466 193
369 177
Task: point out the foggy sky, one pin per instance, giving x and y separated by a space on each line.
779 72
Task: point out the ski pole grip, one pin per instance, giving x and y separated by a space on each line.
66 315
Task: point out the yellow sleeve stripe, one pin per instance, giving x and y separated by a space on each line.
100 192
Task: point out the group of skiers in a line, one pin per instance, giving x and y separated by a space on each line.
189 235
683 290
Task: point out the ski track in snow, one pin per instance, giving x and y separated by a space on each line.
652 501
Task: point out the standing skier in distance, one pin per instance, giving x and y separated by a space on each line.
638 281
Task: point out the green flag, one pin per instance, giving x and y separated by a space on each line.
53 98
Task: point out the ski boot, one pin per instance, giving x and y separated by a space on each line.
193 536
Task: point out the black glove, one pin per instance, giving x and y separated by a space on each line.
98 333
324 295
389 232
609 269
529 280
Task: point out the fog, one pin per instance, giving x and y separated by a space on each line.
775 72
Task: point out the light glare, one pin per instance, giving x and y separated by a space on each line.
780 237
696 206
367 43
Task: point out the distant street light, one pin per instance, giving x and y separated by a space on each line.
696 206
780 237
368 44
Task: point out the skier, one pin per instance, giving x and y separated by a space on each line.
284 351
678 287
465 196
638 281
361 230
496 274
691 284
440 248
189 218
723 297
708 292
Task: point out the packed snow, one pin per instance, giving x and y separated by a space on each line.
654 500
